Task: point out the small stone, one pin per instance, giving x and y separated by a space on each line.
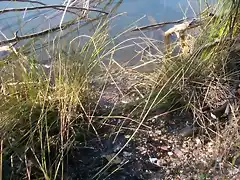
187 131
198 142
165 148
170 153
178 153
158 132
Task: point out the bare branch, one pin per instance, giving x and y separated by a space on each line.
48 6
34 2
157 25
37 2
17 38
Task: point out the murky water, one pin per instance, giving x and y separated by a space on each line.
135 13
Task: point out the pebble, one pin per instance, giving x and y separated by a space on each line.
187 131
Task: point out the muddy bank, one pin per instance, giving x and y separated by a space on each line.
168 145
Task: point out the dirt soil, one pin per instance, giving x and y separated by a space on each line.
166 146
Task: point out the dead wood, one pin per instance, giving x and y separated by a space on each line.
17 38
48 6
157 25
33 2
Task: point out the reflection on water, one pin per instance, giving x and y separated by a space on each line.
151 12
138 13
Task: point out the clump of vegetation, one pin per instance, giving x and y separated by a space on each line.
207 78
41 106
44 108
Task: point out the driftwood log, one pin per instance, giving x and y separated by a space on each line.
179 29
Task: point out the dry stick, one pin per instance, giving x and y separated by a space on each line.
34 2
37 2
157 25
48 6
17 38
179 30
41 33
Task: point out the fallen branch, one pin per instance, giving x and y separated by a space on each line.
157 25
180 30
37 2
17 38
33 2
48 6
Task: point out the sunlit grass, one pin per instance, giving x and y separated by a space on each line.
39 104
202 77
188 81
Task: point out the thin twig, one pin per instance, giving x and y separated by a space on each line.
34 2
17 38
157 25
37 2
48 6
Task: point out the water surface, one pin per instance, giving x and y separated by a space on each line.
137 13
